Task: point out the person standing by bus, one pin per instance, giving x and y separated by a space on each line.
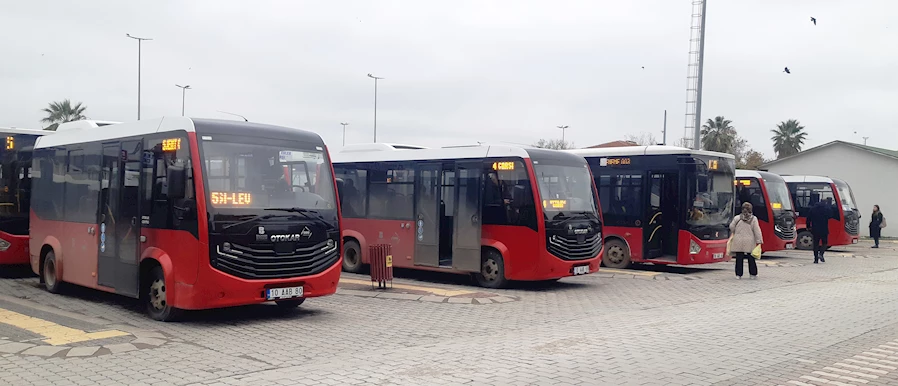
818 223
877 222
746 236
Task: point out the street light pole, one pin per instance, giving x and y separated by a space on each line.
344 132
562 127
375 104
183 96
139 40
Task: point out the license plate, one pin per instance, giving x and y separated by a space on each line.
790 246
581 270
284 293
854 241
717 256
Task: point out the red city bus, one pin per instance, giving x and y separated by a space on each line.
663 204
15 193
499 213
772 205
844 227
186 214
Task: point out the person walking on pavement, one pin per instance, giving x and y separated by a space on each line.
746 235
818 224
877 222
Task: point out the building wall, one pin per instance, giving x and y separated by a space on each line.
870 176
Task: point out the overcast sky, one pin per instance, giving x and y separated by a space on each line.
461 71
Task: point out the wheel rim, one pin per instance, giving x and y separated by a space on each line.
50 273
615 254
806 241
490 270
157 294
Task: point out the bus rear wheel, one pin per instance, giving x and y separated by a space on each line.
48 274
805 241
617 255
352 257
492 270
156 299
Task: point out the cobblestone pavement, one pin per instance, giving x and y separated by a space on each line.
799 324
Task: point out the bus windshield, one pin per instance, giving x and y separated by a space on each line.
845 195
565 189
262 176
779 195
711 194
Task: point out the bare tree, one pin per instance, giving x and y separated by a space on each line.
642 139
555 144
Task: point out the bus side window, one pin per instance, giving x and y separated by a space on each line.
169 200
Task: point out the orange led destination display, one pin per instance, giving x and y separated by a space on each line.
171 144
231 198
505 165
10 143
554 204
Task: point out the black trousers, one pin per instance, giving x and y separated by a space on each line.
752 265
820 244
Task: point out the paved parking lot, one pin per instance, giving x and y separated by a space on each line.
799 324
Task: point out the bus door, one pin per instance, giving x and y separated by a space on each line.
661 231
427 214
467 224
119 217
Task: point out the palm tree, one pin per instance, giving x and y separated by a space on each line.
718 135
61 112
788 138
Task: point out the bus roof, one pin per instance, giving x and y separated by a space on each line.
90 131
19 130
744 173
430 154
645 150
818 179
363 147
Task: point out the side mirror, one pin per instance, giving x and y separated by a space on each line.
176 177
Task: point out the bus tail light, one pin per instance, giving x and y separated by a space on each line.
4 245
694 248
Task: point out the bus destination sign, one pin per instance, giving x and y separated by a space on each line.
614 161
504 165
231 198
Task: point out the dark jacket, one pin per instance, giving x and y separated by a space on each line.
818 218
875 224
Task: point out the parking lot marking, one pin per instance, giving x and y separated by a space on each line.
629 272
54 334
432 290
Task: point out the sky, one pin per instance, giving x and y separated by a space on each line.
463 71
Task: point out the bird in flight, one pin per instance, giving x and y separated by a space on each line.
643 67
814 20
787 70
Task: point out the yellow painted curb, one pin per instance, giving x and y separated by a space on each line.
628 272
53 333
432 290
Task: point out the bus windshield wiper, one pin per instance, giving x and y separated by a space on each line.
307 213
251 219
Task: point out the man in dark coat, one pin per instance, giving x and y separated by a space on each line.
818 223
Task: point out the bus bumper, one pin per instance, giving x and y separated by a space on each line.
552 267
709 251
13 249
215 289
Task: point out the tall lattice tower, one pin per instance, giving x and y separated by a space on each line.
692 135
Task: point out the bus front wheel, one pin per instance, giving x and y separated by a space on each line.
805 241
352 257
617 255
492 270
48 274
156 298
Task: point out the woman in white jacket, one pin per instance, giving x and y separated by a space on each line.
746 235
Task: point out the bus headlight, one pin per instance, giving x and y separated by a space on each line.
4 245
694 248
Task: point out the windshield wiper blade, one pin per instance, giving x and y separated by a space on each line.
308 213
251 219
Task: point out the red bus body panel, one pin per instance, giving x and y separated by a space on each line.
17 253
837 234
633 237
771 241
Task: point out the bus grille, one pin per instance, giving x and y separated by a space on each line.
263 262
568 248
852 224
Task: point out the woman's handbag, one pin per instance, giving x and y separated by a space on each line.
883 223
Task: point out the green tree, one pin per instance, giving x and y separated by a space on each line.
751 160
555 144
61 112
719 135
788 138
